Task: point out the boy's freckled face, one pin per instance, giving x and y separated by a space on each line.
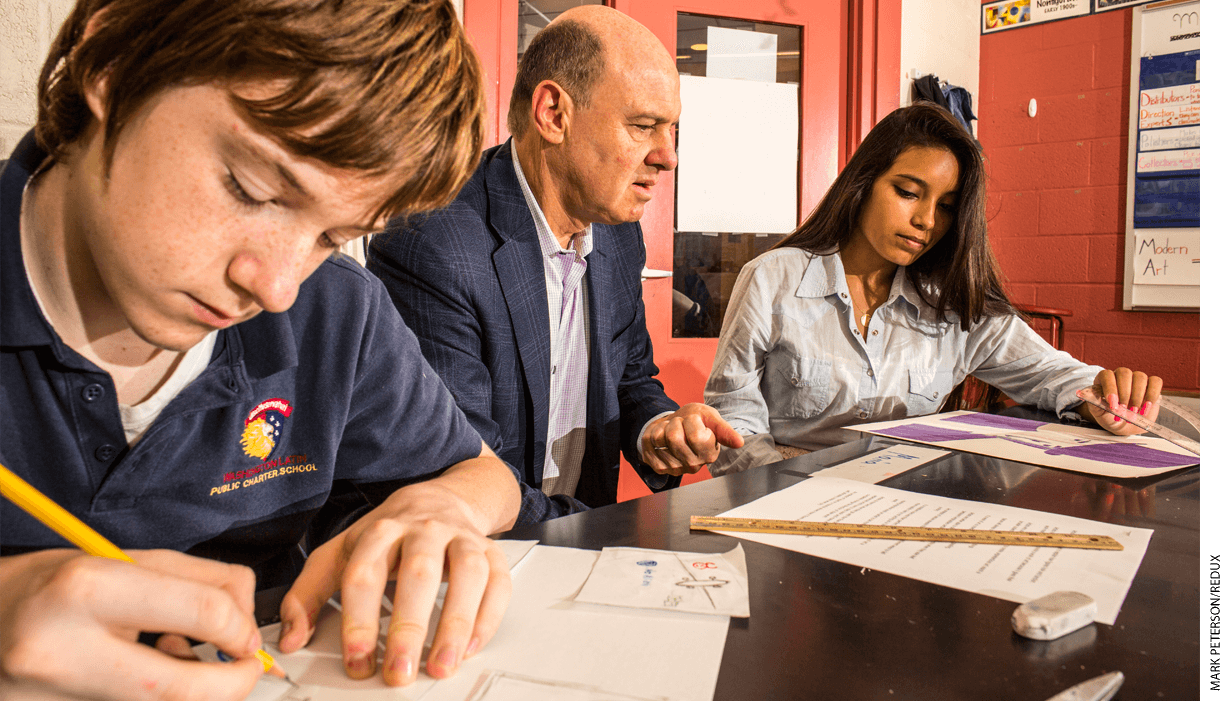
202 222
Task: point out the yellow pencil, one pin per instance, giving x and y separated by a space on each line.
75 531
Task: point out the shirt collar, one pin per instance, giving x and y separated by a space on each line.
546 239
904 290
826 276
21 323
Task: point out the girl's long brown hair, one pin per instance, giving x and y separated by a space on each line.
959 274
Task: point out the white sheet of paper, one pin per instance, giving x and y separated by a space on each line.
710 583
503 686
717 151
1075 448
545 637
882 464
515 551
740 54
1014 573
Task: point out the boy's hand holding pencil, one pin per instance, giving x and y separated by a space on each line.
69 621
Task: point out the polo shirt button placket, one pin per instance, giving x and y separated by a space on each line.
93 392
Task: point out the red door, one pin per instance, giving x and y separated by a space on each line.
847 60
685 362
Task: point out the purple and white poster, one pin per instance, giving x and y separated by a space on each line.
1074 448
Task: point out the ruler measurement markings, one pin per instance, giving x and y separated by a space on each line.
944 535
1093 397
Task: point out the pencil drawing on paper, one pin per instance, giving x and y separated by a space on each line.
710 583
696 582
496 685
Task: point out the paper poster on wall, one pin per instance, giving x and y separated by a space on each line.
1107 5
1167 257
1163 161
1170 30
1014 14
1169 139
1174 106
733 177
1161 262
1167 180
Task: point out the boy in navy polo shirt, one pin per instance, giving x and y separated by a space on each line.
194 164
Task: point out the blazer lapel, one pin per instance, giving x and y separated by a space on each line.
518 265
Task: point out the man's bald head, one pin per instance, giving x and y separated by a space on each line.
576 49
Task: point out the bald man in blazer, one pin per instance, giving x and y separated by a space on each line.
526 291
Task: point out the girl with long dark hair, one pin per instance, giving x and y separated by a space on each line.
883 301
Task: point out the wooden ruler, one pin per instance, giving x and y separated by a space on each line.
1093 396
943 535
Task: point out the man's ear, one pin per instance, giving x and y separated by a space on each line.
551 109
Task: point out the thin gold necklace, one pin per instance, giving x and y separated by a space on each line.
866 317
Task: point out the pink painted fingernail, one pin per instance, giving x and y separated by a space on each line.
1144 408
1117 420
1113 400
1132 409
473 648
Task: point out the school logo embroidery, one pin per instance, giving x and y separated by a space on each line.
263 428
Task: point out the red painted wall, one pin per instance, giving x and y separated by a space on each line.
1058 185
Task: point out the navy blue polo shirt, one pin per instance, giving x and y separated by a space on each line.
333 390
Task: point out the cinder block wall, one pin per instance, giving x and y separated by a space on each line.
27 28
1058 189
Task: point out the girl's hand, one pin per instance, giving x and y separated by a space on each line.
1123 388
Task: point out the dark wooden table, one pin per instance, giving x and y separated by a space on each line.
821 629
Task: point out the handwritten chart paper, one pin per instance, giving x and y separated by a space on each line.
546 638
709 583
1173 106
1167 257
1014 573
1088 450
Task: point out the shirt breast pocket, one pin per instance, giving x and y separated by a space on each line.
803 387
928 389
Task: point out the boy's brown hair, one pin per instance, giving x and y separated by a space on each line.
381 86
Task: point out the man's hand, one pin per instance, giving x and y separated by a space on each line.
1122 388
686 440
69 624
423 534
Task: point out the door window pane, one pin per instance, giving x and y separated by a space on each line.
533 15
707 263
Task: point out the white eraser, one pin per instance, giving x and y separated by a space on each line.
1054 615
